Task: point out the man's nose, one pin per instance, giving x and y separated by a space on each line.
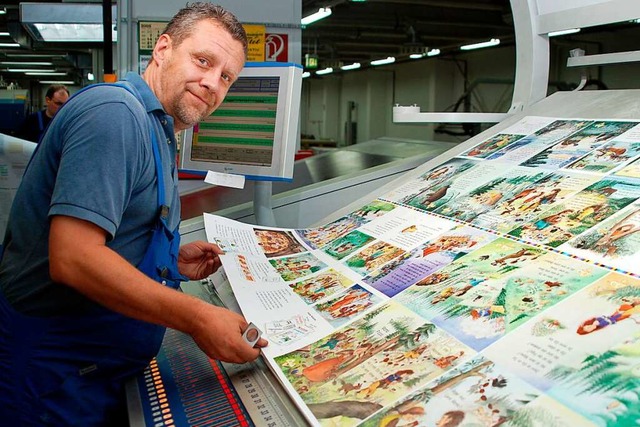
211 80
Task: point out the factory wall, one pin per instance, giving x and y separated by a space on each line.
438 84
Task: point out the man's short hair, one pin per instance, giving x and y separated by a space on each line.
54 88
183 23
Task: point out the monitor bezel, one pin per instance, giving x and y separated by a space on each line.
286 133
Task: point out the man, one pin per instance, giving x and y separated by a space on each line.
35 124
77 319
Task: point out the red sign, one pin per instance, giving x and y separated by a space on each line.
276 47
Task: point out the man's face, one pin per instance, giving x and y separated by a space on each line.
56 101
196 75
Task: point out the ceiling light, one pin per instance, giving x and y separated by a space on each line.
9 45
433 52
28 70
353 66
65 22
387 60
3 11
24 63
31 55
44 73
492 42
564 32
73 32
306 74
57 82
327 70
323 12
417 55
4 34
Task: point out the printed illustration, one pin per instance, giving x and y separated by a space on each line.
478 308
277 243
580 212
344 307
444 193
319 237
608 157
476 393
491 145
632 170
614 242
577 145
531 200
406 270
487 196
589 361
372 257
431 178
532 144
321 286
348 244
297 266
370 363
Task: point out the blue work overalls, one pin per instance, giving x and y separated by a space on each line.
71 371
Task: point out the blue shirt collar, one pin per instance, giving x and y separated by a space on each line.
146 95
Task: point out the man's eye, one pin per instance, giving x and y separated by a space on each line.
226 77
203 62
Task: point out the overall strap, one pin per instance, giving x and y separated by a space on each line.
156 158
40 124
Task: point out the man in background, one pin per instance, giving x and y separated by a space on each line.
35 124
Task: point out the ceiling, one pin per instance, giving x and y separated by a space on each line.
72 59
361 31
355 32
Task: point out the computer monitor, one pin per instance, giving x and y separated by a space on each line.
254 131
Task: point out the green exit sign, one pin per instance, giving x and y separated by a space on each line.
310 60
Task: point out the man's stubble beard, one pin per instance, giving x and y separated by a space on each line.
186 114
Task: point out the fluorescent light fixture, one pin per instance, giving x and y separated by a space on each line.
635 21
4 34
323 12
29 70
492 42
327 70
73 32
65 22
40 73
564 32
433 52
387 60
25 63
31 55
353 66
417 55
9 45
306 74
3 11
57 82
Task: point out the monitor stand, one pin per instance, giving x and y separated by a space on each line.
262 208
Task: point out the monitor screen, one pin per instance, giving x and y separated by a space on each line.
254 132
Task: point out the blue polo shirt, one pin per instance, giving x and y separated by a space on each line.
95 163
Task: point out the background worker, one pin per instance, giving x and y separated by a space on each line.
36 123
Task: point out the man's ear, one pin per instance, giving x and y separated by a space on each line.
160 50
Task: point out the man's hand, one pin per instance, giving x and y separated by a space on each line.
219 335
199 259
